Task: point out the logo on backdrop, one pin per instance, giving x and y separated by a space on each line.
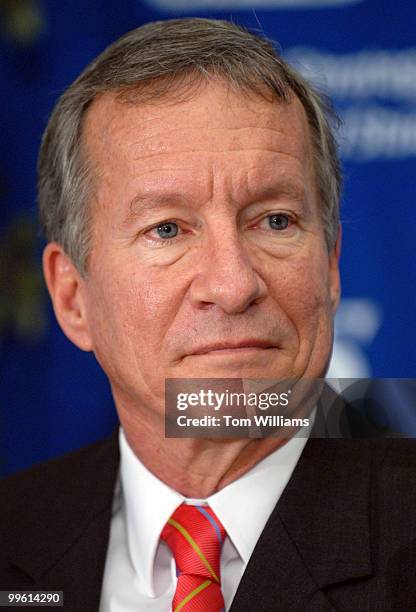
187 5
375 93
357 323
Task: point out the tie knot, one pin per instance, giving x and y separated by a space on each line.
195 536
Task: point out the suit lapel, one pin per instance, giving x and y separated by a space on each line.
318 534
277 578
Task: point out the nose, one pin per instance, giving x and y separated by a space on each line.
226 277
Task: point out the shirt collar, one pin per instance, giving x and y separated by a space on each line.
148 503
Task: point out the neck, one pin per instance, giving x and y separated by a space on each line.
195 468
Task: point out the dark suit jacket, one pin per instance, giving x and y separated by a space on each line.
342 536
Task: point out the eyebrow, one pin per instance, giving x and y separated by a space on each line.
287 187
143 202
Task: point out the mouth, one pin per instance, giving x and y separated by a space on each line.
225 348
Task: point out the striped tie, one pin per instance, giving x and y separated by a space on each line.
195 536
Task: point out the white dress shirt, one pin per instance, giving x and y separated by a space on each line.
139 573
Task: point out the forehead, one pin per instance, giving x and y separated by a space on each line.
213 123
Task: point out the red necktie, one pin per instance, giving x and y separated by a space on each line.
195 537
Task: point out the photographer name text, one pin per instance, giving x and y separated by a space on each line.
228 420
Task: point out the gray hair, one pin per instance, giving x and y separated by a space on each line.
149 63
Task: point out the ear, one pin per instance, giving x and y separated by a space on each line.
66 288
334 277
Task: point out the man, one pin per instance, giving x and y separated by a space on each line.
189 190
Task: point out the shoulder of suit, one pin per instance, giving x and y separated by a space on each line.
34 492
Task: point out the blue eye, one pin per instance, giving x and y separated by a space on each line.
167 230
278 222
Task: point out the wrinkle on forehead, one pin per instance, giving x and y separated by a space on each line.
108 121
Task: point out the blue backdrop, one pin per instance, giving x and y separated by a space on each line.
53 397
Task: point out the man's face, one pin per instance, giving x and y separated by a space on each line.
208 257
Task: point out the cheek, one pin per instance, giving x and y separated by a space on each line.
302 291
306 302
152 300
132 312
108 323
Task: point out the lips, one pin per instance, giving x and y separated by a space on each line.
233 346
